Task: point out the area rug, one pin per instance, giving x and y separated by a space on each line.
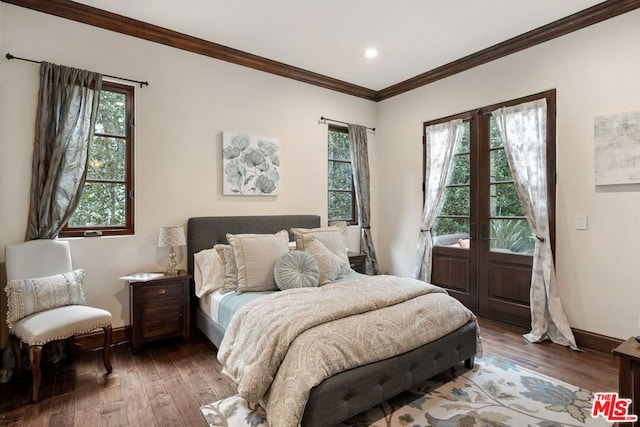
493 393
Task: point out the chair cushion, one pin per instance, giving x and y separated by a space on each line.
60 323
28 296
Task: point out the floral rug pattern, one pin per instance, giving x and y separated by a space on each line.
493 393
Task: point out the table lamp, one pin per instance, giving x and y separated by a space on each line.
171 237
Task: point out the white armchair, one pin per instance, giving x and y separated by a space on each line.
46 302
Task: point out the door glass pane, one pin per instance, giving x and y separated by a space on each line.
451 232
465 143
504 200
512 235
494 134
459 172
456 201
454 232
499 166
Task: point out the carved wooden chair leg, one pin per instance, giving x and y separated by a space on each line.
35 352
68 347
17 354
107 348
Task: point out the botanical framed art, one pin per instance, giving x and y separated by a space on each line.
250 165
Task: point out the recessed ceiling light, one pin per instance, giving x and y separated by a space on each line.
371 53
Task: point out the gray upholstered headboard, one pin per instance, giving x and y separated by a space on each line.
206 231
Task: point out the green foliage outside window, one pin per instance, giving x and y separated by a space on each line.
340 179
457 196
454 217
104 199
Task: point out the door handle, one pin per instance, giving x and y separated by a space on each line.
484 233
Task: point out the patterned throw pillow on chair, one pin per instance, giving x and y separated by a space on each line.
28 296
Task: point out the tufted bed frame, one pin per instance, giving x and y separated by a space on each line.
350 392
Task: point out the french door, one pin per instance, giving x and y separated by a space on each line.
483 245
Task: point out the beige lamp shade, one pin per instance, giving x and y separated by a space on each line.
171 236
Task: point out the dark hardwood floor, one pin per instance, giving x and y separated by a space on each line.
166 384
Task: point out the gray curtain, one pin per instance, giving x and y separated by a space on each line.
360 169
65 120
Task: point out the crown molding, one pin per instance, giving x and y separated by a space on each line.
561 27
110 21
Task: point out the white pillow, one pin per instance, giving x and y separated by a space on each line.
208 273
331 266
229 269
28 296
331 237
256 255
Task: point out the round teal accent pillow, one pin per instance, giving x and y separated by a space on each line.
296 269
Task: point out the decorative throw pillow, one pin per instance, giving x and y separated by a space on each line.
28 296
296 269
331 237
332 267
230 271
256 255
208 274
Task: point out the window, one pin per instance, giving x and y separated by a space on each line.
342 196
507 221
454 218
107 200
481 190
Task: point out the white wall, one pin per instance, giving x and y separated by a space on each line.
595 72
179 119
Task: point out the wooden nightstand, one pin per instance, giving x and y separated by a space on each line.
358 262
159 309
629 375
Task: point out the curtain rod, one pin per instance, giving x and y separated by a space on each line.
326 119
10 57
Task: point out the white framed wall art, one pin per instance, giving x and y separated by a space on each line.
617 149
251 165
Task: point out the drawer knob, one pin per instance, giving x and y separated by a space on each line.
162 291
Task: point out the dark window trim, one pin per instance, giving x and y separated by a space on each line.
354 204
129 227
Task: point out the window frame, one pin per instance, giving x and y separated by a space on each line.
354 204
129 227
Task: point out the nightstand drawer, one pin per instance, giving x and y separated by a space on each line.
165 319
158 292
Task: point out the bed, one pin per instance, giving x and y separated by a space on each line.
353 390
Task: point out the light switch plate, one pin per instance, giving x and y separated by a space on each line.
581 222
